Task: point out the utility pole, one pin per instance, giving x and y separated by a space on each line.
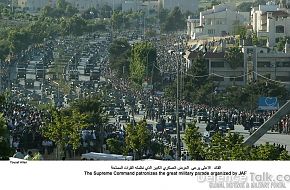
178 148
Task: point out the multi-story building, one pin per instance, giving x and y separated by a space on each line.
258 63
271 22
184 5
221 20
34 5
81 5
140 5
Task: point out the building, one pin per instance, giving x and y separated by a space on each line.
83 5
221 20
184 5
259 62
134 5
34 5
271 22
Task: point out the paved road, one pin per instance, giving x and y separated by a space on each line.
270 137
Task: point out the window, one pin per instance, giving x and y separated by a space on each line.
279 29
283 64
286 64
211 31
219 21
217 64
263 64
208 21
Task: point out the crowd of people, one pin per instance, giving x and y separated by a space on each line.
24 123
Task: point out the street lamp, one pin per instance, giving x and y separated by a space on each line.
178 152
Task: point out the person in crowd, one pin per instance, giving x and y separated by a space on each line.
18 154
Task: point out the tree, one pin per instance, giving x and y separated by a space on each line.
64 128
281 44
193 141
175 21
284 155
90 13
117 19
266 152
156 148
93 107
143 59
244 7
255 39
61 4
115 146
227 147
106 11
70 10
137 139
5 150
163 14
96 117
119 57
234 57
197 84
4 49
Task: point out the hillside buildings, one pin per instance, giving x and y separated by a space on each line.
221 20
124 5
270 22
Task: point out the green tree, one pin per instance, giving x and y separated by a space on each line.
70 10
193 141
226 147
244 7
4 49
65 128
5 150
143 58
163 14
115 146
266 152
284 155
61 4
117 19
137 139
242 32
255 39
119 57
106 11
281 44
175 21
235 58
93 108
157 148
